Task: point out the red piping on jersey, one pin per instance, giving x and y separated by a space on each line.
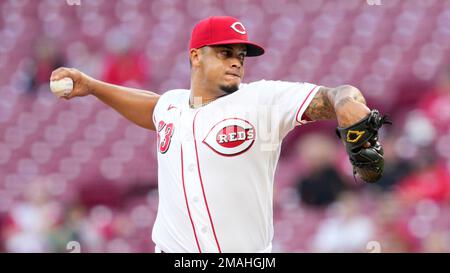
187 204
301 106
201 183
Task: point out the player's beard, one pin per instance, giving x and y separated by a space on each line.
229 88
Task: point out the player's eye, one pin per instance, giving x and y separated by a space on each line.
226 53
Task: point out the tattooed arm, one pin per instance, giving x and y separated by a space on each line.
344 103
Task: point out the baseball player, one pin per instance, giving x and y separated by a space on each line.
219 142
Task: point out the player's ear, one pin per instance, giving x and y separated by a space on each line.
195 56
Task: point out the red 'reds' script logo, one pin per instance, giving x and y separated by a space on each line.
231 137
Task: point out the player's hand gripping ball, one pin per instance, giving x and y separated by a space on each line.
62 87
367 162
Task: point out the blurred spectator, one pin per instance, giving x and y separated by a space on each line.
430 179
319 183
390 216
31 221
67 229
81 56
124 65
435 102
436 242
347 229
38 224
46 58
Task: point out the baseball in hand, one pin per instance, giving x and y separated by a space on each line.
62 87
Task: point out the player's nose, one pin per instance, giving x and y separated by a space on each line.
236 63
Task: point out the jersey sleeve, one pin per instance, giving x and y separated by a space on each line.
168 98
156 110
288 102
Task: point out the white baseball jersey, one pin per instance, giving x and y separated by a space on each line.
217 164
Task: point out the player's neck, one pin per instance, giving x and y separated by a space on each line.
201 96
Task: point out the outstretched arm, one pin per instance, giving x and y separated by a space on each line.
134 104
344 103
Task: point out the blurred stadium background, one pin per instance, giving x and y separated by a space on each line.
77 171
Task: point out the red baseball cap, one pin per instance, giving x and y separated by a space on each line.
222 30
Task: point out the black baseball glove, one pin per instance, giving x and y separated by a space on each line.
368 163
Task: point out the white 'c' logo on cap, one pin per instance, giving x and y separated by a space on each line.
238 27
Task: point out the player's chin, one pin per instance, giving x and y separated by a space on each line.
230 87
231 84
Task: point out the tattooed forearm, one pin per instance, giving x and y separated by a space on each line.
320 106
344 94
327 100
